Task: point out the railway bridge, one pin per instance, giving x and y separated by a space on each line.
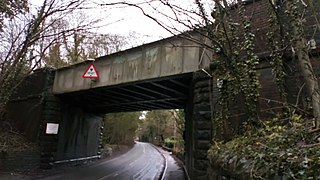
68 104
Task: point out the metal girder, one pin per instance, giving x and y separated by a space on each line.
163 93
98 96
172 104
119 94
152 91
139 93
145 102
179 83
168 89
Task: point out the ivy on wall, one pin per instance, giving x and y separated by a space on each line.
286 146
278 37
235 64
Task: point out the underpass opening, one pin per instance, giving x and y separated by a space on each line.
84 111
164 128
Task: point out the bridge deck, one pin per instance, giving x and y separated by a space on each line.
167 57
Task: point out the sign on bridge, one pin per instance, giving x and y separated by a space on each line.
91 72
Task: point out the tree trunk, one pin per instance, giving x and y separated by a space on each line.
301 49
310 78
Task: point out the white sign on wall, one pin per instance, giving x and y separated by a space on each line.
52 128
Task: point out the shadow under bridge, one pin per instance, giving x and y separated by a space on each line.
161 93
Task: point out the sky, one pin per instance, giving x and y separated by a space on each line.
130 19
126 20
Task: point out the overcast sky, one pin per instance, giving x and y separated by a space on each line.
124 20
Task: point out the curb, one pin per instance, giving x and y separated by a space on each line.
165 163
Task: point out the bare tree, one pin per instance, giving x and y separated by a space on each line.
21 36
9 9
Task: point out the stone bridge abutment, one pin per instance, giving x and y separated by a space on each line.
198 125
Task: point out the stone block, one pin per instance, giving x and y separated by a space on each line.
201 165
200 174
202 84
202 107
203 135
200 155
205 145
51 112
201 118
51 138
206 114
204 90
203 125
200 98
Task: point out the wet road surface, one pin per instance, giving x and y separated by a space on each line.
143 162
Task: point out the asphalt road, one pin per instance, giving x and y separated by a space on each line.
143 162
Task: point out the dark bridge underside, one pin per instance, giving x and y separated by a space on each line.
161 93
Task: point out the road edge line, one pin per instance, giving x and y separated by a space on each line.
165 163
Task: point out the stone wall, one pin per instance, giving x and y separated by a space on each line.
26 104
23 161
30 108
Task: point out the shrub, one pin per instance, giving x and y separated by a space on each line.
287 148
169 142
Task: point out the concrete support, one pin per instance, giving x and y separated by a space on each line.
79 134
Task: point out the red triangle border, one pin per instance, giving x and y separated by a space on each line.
94 68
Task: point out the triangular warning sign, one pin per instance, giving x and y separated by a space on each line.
91 72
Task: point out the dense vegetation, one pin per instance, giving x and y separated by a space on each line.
163 127
120 128
286 148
